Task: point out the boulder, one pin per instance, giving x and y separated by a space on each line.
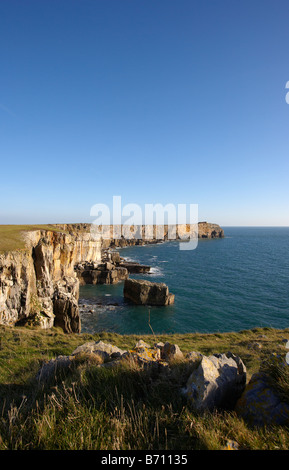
171 351
194 356
144 355
217 382
260 405
160 353
105 350
141 344
50 368
143 292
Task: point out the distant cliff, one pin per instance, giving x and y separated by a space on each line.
130 235
39 282
206 230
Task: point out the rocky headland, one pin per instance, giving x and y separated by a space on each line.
40 283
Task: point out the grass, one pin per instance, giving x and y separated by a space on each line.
87 407
11 236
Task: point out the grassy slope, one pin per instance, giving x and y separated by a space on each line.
11 237
93 408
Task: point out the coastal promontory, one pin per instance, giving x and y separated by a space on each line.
38 276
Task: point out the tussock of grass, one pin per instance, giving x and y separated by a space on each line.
127 407
278 374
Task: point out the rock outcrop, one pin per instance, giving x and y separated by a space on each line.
143 292
111 270
208 383
65 305
217 382
260 405
214 382
135 268
142 355
207 230
105 350
100 273
40 281
18 291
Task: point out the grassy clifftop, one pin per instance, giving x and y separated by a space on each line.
121 408
11 236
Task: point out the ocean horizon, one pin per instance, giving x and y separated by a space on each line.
229 284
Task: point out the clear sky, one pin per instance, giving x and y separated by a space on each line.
156 101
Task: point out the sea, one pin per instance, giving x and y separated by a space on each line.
234 283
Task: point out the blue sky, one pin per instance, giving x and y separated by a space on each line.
156 101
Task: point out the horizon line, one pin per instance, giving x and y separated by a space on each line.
187 223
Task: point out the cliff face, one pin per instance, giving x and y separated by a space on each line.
206 230
151 234
17 286
40 282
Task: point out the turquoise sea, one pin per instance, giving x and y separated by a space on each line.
230 284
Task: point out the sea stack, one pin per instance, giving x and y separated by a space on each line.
143 292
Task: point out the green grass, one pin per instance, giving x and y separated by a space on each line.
87 407
11 236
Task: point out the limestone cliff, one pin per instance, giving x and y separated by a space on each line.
141 235
206 230
40 281
127 235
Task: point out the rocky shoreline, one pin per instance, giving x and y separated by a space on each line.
111 269
114 269
40 284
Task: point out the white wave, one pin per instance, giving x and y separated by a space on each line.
130 260
156 271
153 259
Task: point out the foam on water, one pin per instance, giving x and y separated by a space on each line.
156 271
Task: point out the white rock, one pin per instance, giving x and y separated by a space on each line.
218 381
99 347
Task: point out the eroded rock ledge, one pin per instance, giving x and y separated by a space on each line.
40 283
110 270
